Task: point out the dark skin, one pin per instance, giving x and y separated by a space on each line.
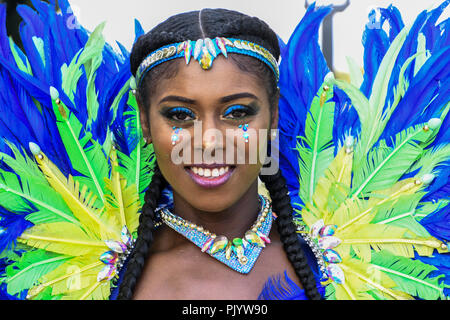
176 268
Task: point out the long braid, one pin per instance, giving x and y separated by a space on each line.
144 237
281 205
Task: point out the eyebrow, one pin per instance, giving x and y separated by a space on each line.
238 96
222 100
177 99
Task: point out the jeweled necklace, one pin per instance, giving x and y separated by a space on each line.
240 254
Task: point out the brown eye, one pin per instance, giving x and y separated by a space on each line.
238 114
179 114
238 111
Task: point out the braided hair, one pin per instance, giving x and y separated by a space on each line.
190 26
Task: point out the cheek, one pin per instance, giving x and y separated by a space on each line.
160 132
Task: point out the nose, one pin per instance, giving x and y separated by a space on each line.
209 133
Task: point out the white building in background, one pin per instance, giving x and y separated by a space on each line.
282 16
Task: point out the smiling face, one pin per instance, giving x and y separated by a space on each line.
209 107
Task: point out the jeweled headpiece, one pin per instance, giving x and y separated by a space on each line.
205 51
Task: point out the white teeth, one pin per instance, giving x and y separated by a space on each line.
205 172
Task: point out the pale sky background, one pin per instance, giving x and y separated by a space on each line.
281 15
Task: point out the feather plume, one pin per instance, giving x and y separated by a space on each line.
315 149
123 201
32 265
411 277
302 71
279 288
63 238
386 165
80 201
86 155
76 274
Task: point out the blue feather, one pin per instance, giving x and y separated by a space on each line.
438 222
12 225
393 16
443 135
424 87
138 30
376 44
346 120
4 42
277 288
302 72
444 39
433 32
442 263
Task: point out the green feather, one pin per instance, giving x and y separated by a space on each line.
370 111
431 159
138 167
22 165
25 273
401 214
385 165
315 148
92 60
51 207
86 155
91 57
424 54
141 177
39 45
411 276
356 76
118 98
380 87
401 88
20 64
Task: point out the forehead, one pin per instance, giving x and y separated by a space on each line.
223 79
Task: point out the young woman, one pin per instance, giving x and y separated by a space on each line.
146 185
238 89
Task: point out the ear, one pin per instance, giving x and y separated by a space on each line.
144 118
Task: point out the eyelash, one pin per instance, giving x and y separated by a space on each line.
184 111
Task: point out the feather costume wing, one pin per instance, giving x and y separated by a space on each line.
368 164
73 164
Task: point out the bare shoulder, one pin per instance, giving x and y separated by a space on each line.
182 271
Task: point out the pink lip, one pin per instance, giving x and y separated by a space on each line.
210 182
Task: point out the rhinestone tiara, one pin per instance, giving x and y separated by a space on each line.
205 51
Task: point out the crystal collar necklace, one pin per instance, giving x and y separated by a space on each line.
240 254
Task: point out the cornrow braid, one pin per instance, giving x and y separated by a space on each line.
144 237
281 205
